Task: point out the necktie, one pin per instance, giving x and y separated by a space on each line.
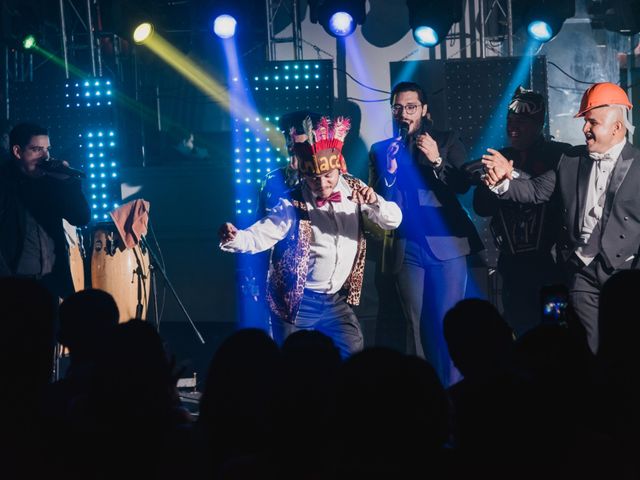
334 197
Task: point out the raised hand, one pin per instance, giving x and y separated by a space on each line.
227 232
392 156
427 145
364 195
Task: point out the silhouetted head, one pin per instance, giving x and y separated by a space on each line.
395 395
478 338
86 317
27 340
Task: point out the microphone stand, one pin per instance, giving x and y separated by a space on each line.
156 265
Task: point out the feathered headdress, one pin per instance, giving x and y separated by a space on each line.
322 150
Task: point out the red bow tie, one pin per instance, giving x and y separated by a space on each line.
334 197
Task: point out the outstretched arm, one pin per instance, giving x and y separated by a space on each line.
502 180
260 236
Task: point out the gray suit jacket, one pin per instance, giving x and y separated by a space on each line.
620 223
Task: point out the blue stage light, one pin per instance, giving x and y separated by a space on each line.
426 36
338 17
341 24
543 19
224 26
431 20
540 30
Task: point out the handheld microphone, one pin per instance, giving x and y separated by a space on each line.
404 132
51 165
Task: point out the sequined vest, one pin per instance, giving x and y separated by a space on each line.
289 264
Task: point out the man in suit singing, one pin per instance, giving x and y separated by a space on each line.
597 189
419 169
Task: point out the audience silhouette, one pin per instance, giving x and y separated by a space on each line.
538 407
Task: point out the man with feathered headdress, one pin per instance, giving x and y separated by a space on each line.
316 231
524 234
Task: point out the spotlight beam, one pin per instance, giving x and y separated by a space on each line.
199 78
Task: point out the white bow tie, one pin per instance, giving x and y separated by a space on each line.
601 156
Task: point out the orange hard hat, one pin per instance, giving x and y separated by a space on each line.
601 95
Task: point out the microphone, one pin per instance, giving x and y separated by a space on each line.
403 132
51 165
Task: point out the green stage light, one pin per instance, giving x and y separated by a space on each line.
29 42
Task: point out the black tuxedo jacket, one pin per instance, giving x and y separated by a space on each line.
568 184
428 199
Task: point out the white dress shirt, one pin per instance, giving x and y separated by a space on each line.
603 165
335 230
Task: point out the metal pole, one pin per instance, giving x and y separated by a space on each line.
341 64
137 98
297 33
91 39
509 29
158 108
99 23
271 54
63 28
6 83
631 63
483 51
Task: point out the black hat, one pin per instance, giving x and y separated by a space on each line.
527 103
295 119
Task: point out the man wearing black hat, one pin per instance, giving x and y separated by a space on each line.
524 234
279 181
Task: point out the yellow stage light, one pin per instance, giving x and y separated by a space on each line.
142 32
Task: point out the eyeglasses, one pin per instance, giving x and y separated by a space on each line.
410 108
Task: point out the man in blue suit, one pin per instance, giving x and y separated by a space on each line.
419 169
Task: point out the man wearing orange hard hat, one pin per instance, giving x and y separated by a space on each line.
596 186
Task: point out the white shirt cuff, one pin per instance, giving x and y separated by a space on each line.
501 187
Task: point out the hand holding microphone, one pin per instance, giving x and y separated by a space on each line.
59 169
395 146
